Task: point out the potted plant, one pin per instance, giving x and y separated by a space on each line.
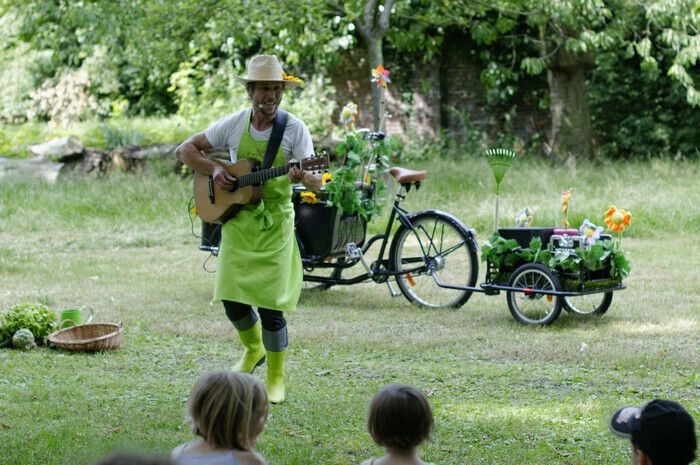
591 260
352 195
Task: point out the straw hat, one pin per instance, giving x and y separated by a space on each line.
266 68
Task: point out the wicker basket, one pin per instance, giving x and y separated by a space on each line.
88 337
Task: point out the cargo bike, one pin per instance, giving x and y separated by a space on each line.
431 255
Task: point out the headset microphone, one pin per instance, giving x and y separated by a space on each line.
256 104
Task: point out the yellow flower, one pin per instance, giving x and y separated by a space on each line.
617 219
289 77
368 180
524 218
348 114
327 177
565 199
308 197
193 211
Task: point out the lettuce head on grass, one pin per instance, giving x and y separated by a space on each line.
37 318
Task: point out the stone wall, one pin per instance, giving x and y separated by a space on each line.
409 109
443 94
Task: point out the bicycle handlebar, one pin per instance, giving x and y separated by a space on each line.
371 135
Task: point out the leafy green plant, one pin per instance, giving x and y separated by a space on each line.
507 254
37 318
500 252
365 162
593 258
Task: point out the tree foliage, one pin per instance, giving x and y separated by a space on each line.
153 57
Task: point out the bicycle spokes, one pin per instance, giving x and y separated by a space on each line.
434 249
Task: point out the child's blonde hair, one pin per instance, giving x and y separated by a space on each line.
224 407
399 417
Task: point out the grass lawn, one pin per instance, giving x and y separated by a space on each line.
502 393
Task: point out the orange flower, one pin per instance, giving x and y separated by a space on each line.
617 219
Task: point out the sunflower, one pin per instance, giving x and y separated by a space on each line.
308 197
327 177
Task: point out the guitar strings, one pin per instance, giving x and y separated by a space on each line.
258 177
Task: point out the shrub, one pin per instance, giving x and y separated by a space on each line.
65 100
21 71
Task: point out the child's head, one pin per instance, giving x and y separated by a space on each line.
126 458
399 417
228 409
662 432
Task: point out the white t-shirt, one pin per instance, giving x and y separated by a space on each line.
296 141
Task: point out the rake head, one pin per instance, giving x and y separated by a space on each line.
499 160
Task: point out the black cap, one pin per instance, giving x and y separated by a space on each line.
662 429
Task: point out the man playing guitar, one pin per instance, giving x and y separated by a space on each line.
259 261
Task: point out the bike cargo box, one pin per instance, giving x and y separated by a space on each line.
322 232
524 235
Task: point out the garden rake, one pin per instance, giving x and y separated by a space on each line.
499 160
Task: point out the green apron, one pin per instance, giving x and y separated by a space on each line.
259 262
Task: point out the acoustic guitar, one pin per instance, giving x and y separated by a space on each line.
215 205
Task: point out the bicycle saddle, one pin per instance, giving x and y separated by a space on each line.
406 176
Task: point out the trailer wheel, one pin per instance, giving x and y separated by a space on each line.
588 304
529 307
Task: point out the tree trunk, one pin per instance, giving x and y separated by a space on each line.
570 133
570 136
376 58
372 26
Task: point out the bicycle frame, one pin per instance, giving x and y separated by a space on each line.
379 270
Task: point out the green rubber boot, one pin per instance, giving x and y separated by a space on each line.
275 377
254 353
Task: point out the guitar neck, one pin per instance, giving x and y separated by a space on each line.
258 177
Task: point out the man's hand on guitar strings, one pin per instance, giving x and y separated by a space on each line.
295 174
222 178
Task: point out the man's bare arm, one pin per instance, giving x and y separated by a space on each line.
190 152
311 181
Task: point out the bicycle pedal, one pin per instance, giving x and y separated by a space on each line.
392 292
353 251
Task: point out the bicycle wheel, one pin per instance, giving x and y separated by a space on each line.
532 308
437 246
589 304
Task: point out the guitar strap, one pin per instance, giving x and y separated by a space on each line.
273 144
